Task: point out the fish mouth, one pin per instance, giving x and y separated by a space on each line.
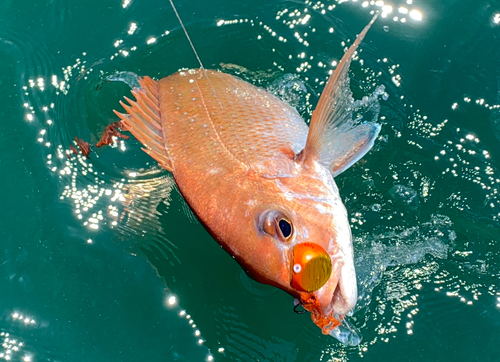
339 295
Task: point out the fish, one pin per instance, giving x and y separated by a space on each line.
258 178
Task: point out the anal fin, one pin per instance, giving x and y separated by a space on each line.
143 120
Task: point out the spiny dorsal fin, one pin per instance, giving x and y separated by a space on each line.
143 120
334 138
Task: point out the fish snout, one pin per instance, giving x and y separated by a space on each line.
346 294
340 293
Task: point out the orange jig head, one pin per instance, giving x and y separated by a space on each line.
311 267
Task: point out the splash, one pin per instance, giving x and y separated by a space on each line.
403 246
129 78
347 333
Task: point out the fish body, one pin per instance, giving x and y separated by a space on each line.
259 179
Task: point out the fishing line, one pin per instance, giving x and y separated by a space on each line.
187 36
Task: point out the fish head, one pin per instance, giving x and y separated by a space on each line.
303 243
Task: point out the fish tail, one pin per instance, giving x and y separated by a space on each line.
143 120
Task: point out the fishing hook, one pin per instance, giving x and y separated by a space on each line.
297 304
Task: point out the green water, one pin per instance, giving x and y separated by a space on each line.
93 250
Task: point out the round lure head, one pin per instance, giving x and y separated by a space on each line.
311 268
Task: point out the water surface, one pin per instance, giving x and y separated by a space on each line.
103 261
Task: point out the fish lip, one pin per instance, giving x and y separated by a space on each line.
339 295
341 303
325 294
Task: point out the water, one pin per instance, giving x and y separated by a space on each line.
101 258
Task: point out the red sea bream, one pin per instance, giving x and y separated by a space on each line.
259 179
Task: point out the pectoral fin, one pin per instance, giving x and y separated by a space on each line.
352 146
335 139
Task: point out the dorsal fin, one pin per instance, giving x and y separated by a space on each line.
334 138
143 120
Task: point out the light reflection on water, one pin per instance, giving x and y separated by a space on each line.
404 241
13 348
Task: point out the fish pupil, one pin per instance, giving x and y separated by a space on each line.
285 227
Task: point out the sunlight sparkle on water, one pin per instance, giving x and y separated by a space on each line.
496 18
171 301
416 15
467 159
11 347
132 29
22 318
387 8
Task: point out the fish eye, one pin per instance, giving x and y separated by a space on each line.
285 228
276 224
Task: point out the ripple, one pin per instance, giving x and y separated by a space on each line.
245 345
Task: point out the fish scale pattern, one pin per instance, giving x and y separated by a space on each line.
251 124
